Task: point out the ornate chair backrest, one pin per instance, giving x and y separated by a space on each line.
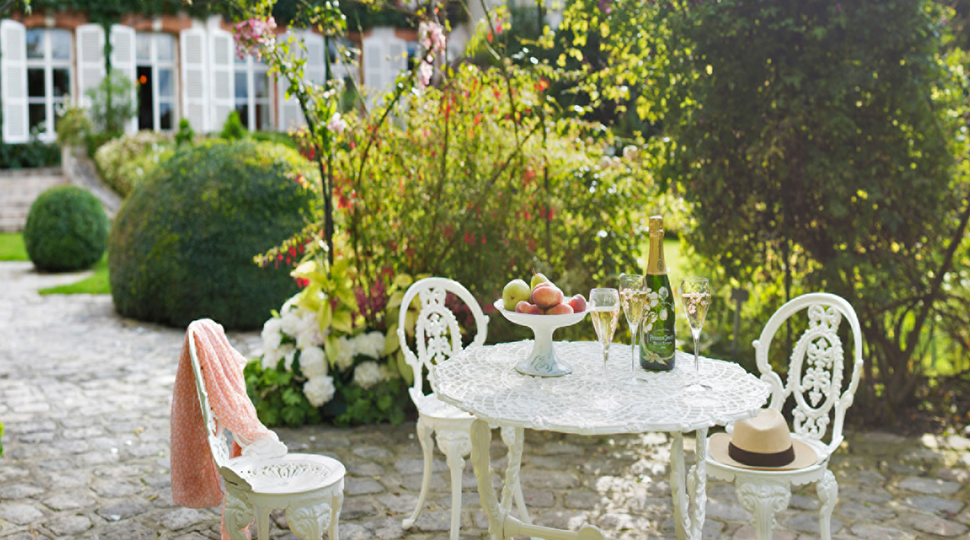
815 370
217 442
437 335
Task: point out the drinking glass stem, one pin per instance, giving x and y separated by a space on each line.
606 356
633 349
697 364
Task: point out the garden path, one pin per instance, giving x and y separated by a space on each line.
85 397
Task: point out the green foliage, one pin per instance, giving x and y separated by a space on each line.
66 230
96 139
819 137
482 191
185 134
29 155
1 438
125 162
274 137
278 396
113 103
183 241
233 129
73 127
12 247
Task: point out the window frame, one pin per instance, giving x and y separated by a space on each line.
48 64
251 68
155 64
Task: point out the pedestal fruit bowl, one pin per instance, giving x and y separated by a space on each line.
542 361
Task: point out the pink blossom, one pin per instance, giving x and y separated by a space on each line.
253 35
431 36
337 124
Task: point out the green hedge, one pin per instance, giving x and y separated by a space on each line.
183 242
66 230
29 155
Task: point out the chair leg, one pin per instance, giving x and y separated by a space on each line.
828 495
262 522
335 505
427 446
236 516
453 450
763 501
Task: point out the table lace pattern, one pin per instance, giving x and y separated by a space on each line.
819 353
484 382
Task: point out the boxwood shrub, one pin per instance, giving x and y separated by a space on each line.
183 242
66 230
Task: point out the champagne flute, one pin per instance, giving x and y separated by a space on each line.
604 309
633 298
696 295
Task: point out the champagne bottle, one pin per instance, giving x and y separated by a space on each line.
657 342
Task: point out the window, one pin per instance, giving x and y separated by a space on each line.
48 78
155 70
252 97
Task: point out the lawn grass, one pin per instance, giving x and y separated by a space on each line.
12 247
96 284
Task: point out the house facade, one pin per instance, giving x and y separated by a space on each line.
184 67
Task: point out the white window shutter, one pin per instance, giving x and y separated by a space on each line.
192 47
13 81
373 61
221 87
123 60
385 56
90 59
290 115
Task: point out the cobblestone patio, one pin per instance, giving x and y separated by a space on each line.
85 398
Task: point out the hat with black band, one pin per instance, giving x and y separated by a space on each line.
762 442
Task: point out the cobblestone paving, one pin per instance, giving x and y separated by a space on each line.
85 398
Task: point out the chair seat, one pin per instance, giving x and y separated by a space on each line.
289 474
433 407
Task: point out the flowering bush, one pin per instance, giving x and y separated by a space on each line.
330 352
125 162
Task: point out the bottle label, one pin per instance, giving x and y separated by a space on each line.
658 344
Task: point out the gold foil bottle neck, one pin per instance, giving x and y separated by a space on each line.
656 224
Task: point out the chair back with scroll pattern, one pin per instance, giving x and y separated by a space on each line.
217 441
437 335
815 370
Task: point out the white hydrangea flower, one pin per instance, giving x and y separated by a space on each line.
312 363
271 334
271 357
370 344
309 334
345 356
288 356
319 390
291 323
367 374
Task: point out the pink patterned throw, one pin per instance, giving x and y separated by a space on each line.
195 478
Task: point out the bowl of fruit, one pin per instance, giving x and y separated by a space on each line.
542 307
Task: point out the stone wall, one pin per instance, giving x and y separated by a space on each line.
18 189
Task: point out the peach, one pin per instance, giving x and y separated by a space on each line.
559 309
526 307
578 303
546 296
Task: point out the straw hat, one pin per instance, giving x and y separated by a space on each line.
762 443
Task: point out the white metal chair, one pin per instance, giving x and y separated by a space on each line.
309 487
814 382
438 338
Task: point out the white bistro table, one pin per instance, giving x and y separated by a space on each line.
482 380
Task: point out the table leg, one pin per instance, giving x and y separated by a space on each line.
481 440
500 524
677 487
697 482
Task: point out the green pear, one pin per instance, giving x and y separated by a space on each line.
514 292
538 278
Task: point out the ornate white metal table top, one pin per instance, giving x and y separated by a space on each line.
484 382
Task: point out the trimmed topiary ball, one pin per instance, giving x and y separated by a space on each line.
183 243
66 230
